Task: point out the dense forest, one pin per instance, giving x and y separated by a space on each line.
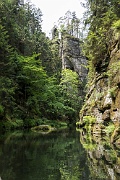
31 86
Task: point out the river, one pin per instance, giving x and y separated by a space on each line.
60 155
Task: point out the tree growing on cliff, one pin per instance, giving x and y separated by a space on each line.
70 24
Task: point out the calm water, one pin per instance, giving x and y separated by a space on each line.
54 156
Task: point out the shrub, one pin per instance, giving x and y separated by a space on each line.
89 120
116 25
109 129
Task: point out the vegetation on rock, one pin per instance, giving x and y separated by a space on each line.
102 48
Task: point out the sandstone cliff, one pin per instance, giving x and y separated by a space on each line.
102 104
72 57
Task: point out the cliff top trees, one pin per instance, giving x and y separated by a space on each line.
70 24
100 17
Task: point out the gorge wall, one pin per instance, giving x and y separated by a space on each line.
101 111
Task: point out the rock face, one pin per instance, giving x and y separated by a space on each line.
103 97
72 57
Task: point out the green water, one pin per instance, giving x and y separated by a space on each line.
54 156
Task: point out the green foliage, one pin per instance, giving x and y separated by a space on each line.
69 84
113 69
109 129
30 79
89 120
89 146
40 93
23 23
113 92
101 16
56 63
116 25
78 124
14 124
69 24
69 88
8 86
31 69
1 109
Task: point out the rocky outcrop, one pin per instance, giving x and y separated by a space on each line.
72 57
103 97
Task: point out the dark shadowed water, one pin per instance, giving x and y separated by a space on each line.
53 156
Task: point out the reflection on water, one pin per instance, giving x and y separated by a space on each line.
103 157
63 155
32 156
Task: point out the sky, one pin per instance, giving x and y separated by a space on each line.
52 10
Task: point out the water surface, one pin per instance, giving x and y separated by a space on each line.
54 156
33 156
